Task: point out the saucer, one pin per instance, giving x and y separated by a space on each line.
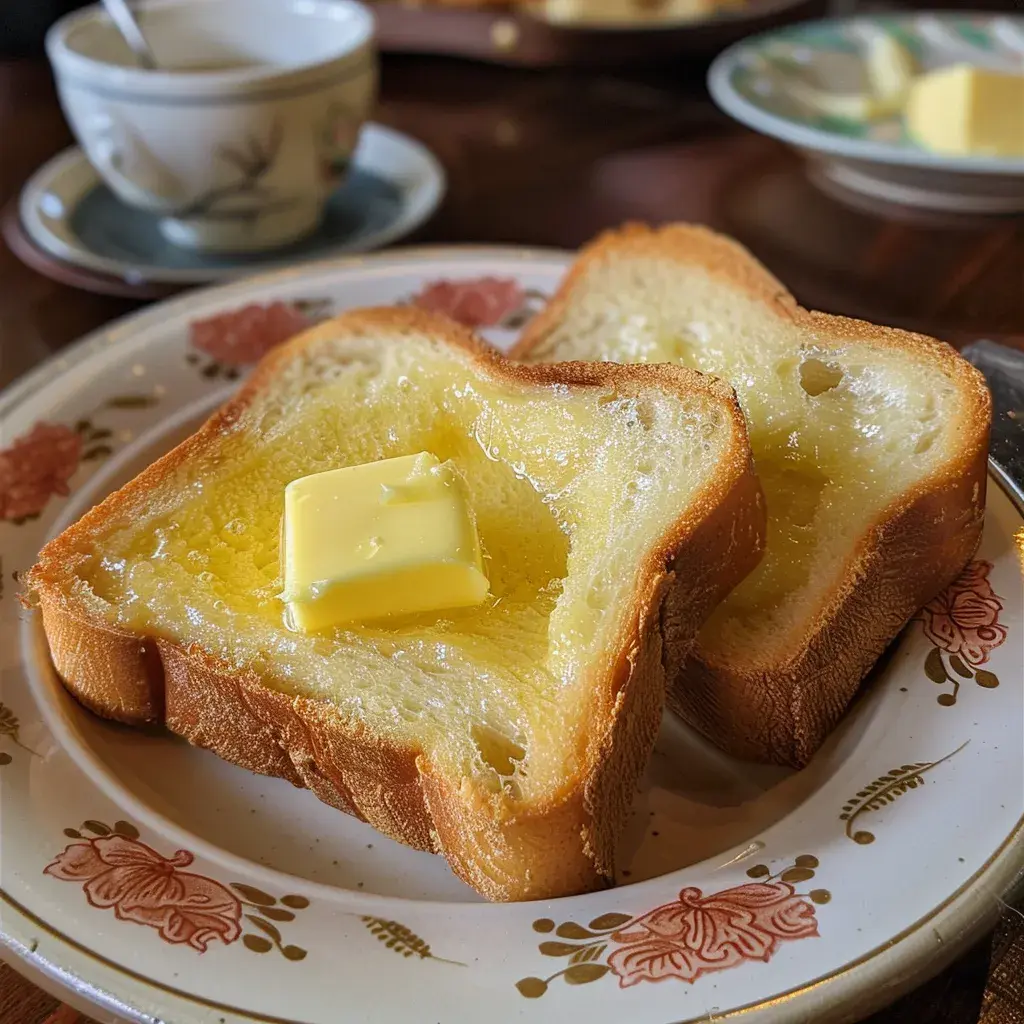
393 186
762 83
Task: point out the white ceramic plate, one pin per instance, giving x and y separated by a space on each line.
758 82
158 882
394 184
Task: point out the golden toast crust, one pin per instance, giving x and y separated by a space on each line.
563 845
782 710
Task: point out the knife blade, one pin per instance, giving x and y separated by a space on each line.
1003 369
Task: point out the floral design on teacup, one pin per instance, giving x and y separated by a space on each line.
142 179
337 135
245 196
131 166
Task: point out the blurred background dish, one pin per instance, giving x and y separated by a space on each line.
392 186
578 33
847 94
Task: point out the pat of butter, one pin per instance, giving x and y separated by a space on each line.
387 538
964 110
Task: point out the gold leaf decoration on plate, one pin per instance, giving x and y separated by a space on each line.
933 667
606 922
264 910
402 940
97 451
989 680
885 790
9 728
254 895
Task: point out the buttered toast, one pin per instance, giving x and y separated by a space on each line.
870 444
616 506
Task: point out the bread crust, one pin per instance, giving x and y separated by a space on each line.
781 709
560 845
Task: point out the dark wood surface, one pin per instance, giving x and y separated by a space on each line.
553 157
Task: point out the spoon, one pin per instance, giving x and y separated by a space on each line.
121 15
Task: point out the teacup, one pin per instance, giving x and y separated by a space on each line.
246 128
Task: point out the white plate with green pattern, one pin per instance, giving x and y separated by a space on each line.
764 82
146 880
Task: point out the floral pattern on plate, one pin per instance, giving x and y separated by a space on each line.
690 937
481 301
119 872
39 464
241 337
963 624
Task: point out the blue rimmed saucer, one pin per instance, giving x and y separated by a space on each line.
393 186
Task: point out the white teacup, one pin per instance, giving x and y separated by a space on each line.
246 128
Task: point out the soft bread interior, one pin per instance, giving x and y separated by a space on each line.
838 429
574 488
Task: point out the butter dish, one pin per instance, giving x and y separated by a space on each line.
840 92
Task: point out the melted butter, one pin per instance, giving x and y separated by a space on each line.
230 549
568 488
812 467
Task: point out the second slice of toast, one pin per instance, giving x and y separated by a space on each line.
615 505
870 444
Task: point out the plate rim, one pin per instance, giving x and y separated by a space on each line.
729 99
966 912
64 358
426 197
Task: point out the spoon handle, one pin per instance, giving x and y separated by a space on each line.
121 15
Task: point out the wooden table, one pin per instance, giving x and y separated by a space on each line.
551 158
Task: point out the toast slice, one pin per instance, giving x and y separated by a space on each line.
615 506
870 444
